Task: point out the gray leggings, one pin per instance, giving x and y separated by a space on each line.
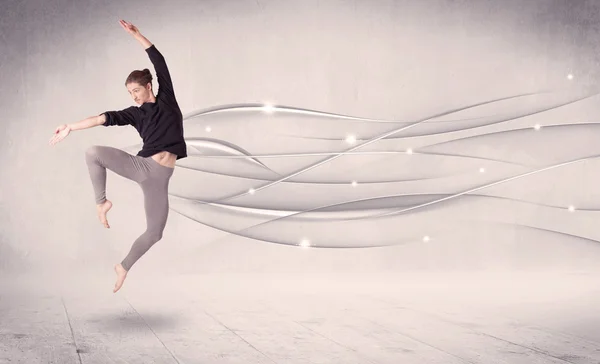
150 175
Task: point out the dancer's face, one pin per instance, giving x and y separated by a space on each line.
139 93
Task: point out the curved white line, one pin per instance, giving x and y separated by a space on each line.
292 155
277 242
485 186
365 144
542 127
432 202
289 213
284 109
238 233
294 110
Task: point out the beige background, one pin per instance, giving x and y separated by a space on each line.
462 83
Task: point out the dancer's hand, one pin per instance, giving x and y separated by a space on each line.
60 133
130 28
133 30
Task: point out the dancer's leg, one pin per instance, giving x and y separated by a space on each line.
156 204
101 158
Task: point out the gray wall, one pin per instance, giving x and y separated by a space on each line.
461 83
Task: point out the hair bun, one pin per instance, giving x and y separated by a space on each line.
143 77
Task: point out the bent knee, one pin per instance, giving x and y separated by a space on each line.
92 152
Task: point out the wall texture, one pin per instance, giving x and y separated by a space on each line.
323 136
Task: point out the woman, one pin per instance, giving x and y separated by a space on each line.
159 122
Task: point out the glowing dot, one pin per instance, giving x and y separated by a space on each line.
354 183
251 191
571 208
409 151
305 243
482 170
208 129
268 108
351 139
570 76
537 127
426 238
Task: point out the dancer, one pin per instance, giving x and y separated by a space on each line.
159 122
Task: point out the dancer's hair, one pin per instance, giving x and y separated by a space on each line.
142 77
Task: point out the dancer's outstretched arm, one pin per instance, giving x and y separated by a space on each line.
63 130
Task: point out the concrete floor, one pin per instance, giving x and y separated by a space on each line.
395 318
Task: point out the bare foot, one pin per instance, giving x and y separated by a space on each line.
102 211
121 275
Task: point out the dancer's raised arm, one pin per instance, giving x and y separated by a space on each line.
165 84
135 32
